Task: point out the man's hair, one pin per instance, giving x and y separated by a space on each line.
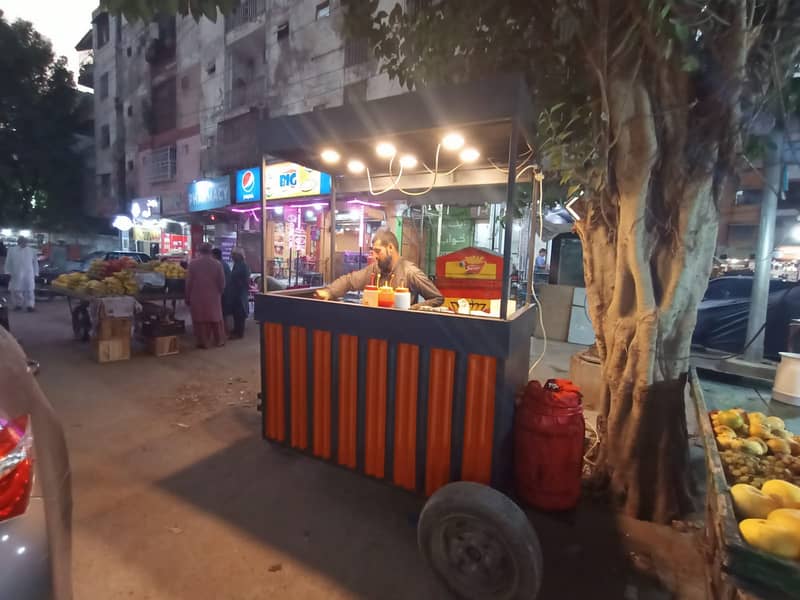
217 253
204 248
386 237
542 250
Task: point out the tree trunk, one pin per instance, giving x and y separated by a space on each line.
648 245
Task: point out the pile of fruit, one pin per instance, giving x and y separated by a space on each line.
755 448
171 270
71 281
770 517
100 269
105 278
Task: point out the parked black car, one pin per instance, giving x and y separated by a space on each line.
723 312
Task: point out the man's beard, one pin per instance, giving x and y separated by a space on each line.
385 264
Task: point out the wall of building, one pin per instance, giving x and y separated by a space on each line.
227 76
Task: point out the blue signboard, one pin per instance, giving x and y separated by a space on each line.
248 185
207 194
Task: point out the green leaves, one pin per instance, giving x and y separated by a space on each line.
146 10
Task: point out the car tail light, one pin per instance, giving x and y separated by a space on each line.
16 466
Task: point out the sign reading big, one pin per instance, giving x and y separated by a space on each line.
290 180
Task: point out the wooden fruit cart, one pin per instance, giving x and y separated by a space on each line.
420 400
737 571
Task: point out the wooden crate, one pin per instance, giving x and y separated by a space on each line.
111 328
164 345
113 350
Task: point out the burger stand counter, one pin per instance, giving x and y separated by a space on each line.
414 398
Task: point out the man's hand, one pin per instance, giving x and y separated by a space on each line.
322 294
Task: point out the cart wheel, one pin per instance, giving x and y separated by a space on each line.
480 544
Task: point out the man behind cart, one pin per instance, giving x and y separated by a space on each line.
388 268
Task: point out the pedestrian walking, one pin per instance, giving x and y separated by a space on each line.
239 292
226 305
205 282
23 267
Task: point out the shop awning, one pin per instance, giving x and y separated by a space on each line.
483 112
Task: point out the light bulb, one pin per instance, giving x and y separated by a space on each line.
408 161
453 141
469 155
385 150
796 232
330 156
355 166
309 214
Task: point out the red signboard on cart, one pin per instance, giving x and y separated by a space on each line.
470 273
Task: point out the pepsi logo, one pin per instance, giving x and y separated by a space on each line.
248 182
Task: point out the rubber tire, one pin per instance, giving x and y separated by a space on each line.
499 512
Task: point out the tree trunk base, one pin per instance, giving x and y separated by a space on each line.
647 444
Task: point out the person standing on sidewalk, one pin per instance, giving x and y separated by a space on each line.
23 268
239 293
205 282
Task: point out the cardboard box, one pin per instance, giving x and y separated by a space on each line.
105 351
163 346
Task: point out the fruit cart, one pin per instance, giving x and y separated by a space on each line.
116 278
737 570
420 400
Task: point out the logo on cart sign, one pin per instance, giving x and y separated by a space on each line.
473 265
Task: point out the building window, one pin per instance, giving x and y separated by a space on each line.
162 165
105 185
185 83
283 32
745 197
164 106
103 31
105 136
355 92
130 165
356 51
104 86
742 236
414 6
129 51
130 110
323 10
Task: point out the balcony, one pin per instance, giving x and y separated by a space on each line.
244 93
86 74
249 11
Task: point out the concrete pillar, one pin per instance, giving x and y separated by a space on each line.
766 243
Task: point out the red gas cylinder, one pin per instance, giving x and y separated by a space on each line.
548 445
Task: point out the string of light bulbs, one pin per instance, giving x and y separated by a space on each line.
452 142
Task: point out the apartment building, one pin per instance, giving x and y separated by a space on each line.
177 100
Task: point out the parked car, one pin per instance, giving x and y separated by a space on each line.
48 272
722 314
35 491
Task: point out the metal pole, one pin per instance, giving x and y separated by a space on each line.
332 251
509 217
759 298
263 241
531 241
440 208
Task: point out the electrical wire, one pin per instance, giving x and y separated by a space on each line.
388 189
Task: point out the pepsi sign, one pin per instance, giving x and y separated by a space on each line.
248 185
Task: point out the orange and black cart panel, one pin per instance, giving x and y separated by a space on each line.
416 399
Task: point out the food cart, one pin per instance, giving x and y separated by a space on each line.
416 399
